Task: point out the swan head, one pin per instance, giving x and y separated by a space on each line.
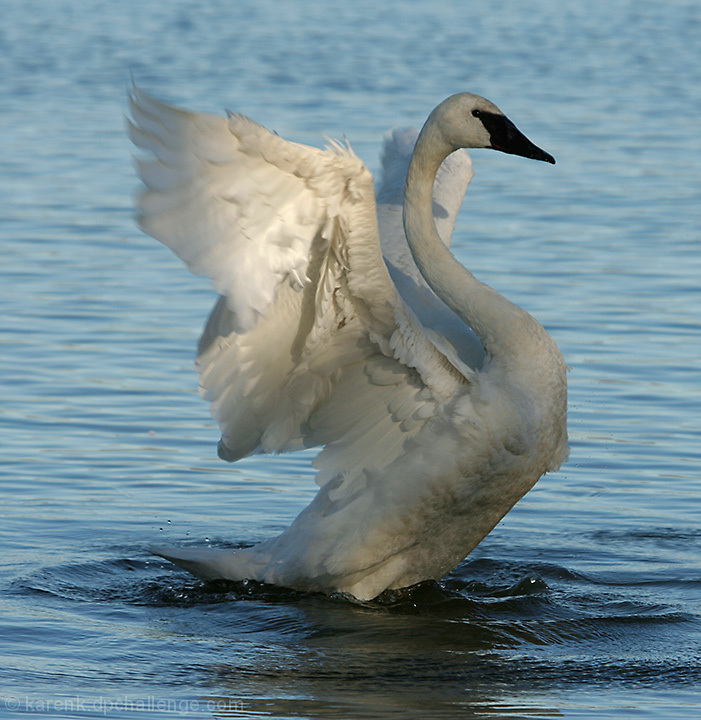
470 121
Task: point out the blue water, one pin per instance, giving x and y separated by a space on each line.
584 602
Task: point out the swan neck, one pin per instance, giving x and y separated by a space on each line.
490 315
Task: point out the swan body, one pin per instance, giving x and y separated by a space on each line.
345 322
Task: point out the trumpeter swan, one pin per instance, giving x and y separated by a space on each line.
438 402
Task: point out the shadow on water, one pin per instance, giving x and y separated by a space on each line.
489 632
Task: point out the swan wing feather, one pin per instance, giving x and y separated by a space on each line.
447 332
449 188
310 343
232 200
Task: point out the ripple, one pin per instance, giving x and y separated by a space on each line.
494 626
542 604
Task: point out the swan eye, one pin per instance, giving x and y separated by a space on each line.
476 113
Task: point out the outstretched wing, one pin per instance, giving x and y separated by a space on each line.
310 344
447 331
452 179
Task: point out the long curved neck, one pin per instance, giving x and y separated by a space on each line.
490 315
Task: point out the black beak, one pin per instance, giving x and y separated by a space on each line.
506 137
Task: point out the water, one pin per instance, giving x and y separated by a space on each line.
584 602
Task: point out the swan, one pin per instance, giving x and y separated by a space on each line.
436 401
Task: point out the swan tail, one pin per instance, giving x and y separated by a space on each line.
212 563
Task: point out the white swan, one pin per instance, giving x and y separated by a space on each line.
438 402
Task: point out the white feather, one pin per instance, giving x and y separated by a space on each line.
318 339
